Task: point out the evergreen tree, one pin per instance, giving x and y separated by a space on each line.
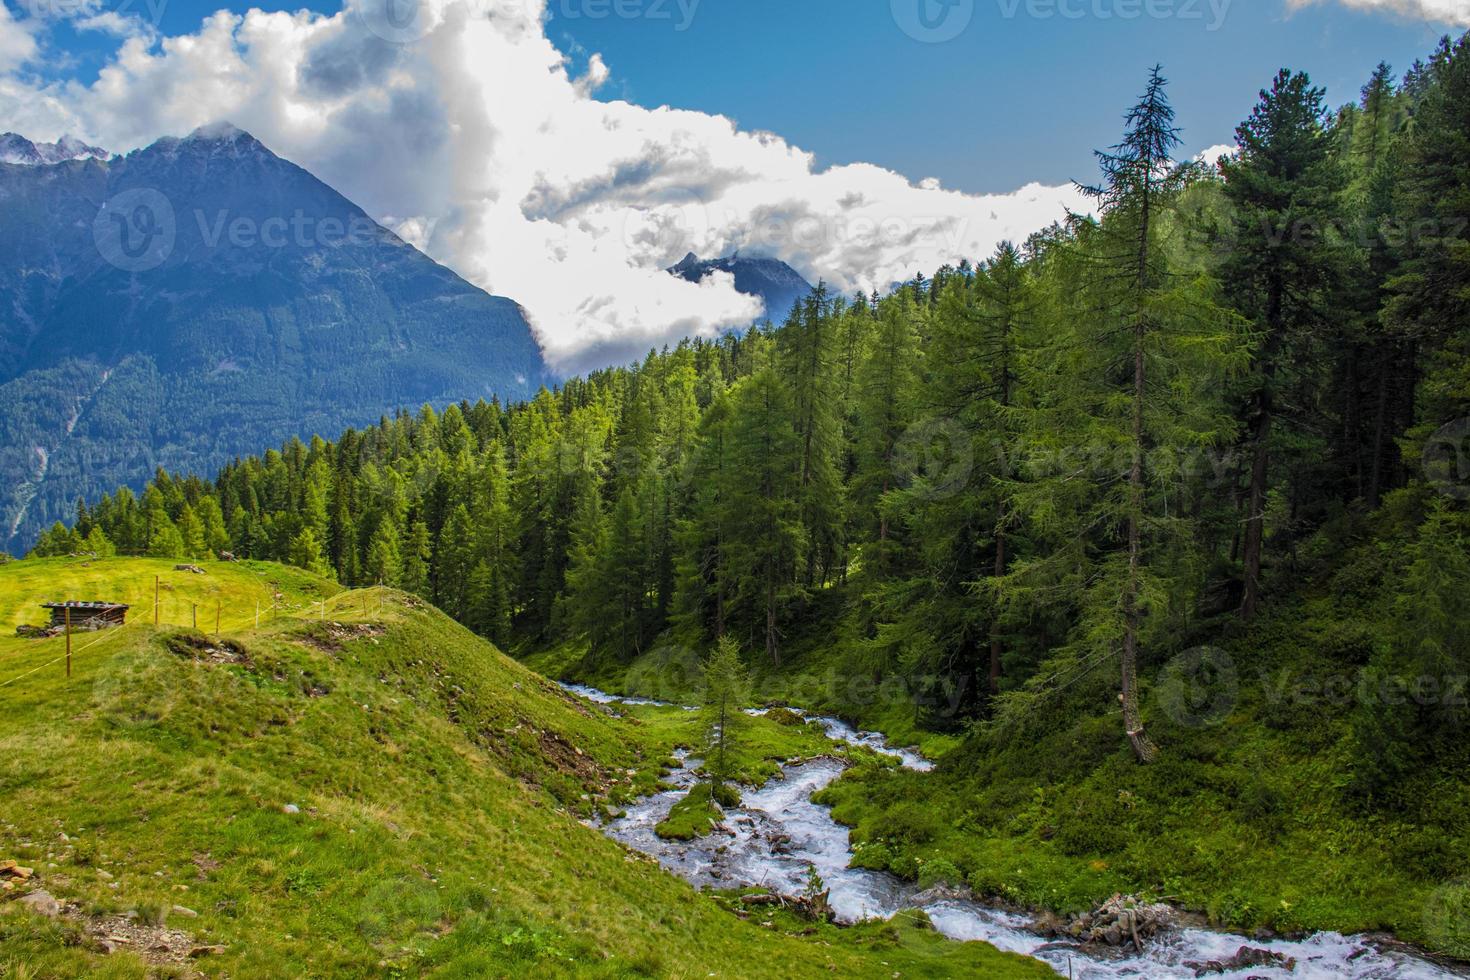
384 565
1283 186
306 553
416 555
726 689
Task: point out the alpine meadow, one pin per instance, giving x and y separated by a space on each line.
1094 602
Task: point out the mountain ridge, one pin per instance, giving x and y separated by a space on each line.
194 299
777 284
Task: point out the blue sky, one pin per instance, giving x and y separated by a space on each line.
522 143
1013 98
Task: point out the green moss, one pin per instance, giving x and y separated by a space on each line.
696 815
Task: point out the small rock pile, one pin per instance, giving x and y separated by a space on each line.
12 875
1120 921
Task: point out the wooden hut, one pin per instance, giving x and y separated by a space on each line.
92 615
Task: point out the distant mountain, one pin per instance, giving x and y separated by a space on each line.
16 149
203 298
777 284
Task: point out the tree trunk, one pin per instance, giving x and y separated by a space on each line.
1143 748
1000 570
1255 522
1255 527
1380 422
772 648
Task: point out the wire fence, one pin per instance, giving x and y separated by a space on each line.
213 616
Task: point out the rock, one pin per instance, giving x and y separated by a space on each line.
191 569
9 869
199 952
1048 924
186 913
942 893
41 902
1245 957
290 808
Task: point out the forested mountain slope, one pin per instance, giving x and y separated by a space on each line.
199 298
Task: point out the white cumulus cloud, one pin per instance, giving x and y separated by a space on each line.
17 41
465 129
1452 12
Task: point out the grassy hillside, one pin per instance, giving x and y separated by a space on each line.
375 792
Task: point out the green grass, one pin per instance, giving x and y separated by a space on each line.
693 816
440 789
811 677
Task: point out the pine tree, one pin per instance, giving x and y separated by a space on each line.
760 503
726 689
1283 187
384 565
416 555
1132 371
306 553
191 530
807 361
216 537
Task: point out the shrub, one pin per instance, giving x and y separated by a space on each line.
939 872
908 823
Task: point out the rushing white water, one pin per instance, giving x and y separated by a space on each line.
777 833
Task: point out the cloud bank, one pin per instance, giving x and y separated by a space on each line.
1455 13
460 125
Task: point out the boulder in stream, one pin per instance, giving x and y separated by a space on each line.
1245 957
